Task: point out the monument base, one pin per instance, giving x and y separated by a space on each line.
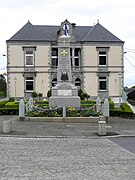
64 94
55 101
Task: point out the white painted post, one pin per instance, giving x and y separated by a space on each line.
106 110
27 107
7 126
64 112
31 103
98 104
102 128
21 110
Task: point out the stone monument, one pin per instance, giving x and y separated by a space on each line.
64 93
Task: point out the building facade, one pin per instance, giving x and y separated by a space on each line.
96 57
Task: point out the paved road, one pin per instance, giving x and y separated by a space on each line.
56 129
78 153
126 142
64 159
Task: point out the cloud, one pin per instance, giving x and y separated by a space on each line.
118 17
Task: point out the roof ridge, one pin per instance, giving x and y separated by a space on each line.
88 32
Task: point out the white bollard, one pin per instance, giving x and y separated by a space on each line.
7 126
21 110
64 112
102 128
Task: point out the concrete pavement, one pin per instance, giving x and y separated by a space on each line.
65 151
64 159
117 127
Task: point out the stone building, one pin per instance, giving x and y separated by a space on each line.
96 57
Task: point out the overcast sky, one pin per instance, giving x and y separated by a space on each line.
116 16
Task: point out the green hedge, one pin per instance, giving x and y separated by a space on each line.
2 103
87 105
88 102
42 103
125 107
12 105
123 111
111 104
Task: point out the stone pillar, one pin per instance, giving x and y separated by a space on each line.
64 112
7 126
21 110
73 58
106 110
102 128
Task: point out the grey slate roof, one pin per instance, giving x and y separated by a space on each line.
129 90
95 33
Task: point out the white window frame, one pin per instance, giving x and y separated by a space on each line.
77 57
54 57
29 55
29 80
103 80
102 55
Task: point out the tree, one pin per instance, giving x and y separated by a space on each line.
49 93
34 94
3 86
83 95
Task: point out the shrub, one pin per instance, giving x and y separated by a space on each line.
123 111
92 102
87 105
14 111
9 111
11 105
111 104
2 103
49 93
11 99
88 113
82 94
42 103
2 93
40 95
34 94
125 107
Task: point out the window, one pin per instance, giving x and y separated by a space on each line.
71 57
29 58
77 56
29 83
102 58
55 57
54 82
102 84
78 82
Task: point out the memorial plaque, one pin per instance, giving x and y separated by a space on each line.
64 92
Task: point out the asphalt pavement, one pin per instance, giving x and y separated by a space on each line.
117 127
